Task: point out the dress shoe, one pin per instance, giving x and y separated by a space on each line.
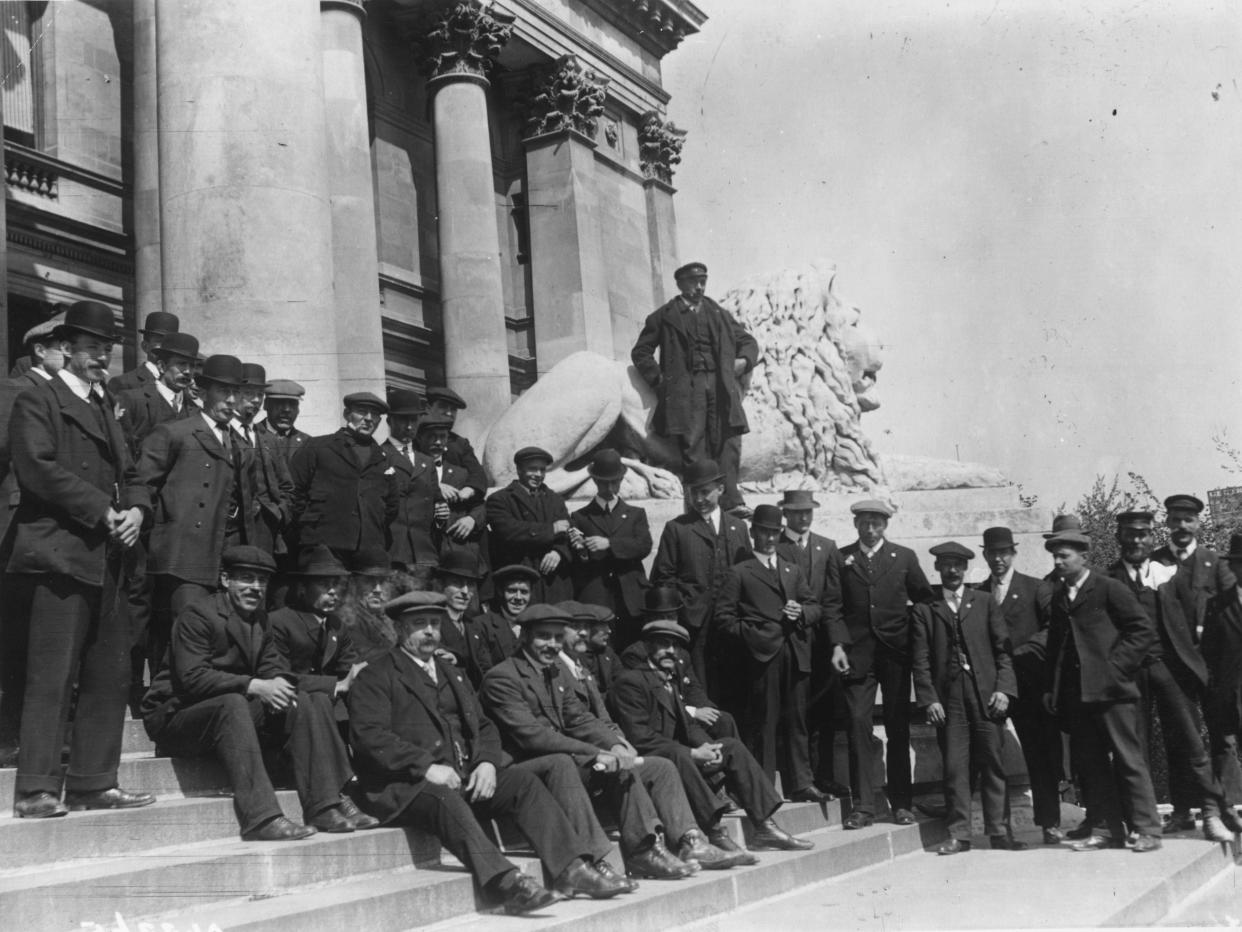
858 819
656 862
523 894
719 837
833 788
694 846
903 817
279 829
1179 822
1230 817
39 806
810 794
357 818
1053 835
771 835
1147 843
1096 843
582 879
331 820
1214 829
1006 843
115 798
1079 832
607 870
954 846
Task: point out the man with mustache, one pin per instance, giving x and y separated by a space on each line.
165 399
155 329
283 403
498 623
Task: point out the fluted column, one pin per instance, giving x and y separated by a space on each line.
659 145
355 256
148 284
457 45
245 221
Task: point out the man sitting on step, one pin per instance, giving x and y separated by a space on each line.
225 691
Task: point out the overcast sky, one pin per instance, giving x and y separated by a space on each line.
1037 205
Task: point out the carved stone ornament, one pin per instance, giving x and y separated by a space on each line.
463 37
572 97
659 147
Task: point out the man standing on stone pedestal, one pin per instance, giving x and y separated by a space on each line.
422 513
159 324
704 353
282 402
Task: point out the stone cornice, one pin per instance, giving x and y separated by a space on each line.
658 25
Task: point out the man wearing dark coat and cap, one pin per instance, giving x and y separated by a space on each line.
529 525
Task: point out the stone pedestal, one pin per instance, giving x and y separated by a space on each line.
355 257
148 279
245 222
568 275
662 235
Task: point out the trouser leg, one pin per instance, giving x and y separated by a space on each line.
521 796
762 718
986 736
747 781
558 773
954 739
705 805
1090 745
662 785
443 812
795 691
14 646
626 798
895 677
317 753
1190 767
1041 748
1118 722
860 700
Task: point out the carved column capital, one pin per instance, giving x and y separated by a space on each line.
571 97
659 147
456 39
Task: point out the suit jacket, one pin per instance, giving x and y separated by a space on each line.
1172 630
667 330
397 731
273 492
70 471
749 608
537 716
320 655
875 596
285 445
470 648
1112 634
459 478
497 632
9 493
615 578
415 536
588 692
1201 578
635 657
684 562
338 503
984 639
461 454
520 526
139 377
652 716
211 654
1026 607
820 563
604 665
190 478
142 410
1222 649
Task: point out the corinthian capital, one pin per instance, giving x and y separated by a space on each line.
462 37
659 147
572 97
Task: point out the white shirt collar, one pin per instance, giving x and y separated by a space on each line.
1189 548
713 520
1073 590
153 369
607 506
767 559
78 386
41 373
797 538
166 393
428 668
215 428
1005 581
872 551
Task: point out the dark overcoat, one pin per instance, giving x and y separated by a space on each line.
614 578
274 494
986 643
520 531
684 562
1201 578
875 597
320 655
142 410
134 378
284 444
1222 649
415 537
749 608
1171 620
653 718
458 452
338 503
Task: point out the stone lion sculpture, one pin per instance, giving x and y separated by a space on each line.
814 380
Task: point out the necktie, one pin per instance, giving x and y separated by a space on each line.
549 680
953 600
998 592
1181 555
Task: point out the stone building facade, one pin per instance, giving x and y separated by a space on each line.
352 193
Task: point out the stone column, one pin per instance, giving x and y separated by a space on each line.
355 256
659 145
569 279
458 43
245 222
148 284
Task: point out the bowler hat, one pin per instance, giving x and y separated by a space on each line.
769 517
515 571
177 344
447 395
247 557
366 400
1064 523
661 600
952 549
534 614
1186 502
1075 539
1135 517
404 403
459 562
666 628
44 332
872 506
371 561
226 370
798 500
532 453
998 538
700 472
319 561
161 324
92 318
417 602
588 612
607 466
430 421
285 388
689 270
1235 547
254 375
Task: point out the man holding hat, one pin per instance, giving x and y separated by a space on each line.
422 513
963 678
283 402
158 325
81 507
1098 636
1023 602
345 490
226 691
1201 574
428 756
766 614
879 580
611 539
150 404
1222 705
696 550
529 524
443 404
539 713
498 623
461 636
704 355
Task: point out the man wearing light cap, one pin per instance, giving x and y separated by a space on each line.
963 679
344 487
529 524
879 580
282 403
158 325
704 355
43 355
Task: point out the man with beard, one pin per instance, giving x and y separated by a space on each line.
372 585
274 485
499 623
466 518
146 407
539 713
226 692
422 513
283 402
578 651
344 487
529 524
461 638
429 757
155 329
592 628
651 710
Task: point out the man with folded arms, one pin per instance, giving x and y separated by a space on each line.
226 692
429 757
529 524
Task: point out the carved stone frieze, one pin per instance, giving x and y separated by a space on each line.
660 25
457 38
659 147
571 98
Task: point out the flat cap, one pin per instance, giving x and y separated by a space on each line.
1135 517
447 395
952 548
434 422
404 403
285 388
45 331
1187 502
690 269
540 612
666 628
247 557
1075 539
516 571
409 603
768 517
588 612
161 323
872 506
366 400
532 453
998 538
